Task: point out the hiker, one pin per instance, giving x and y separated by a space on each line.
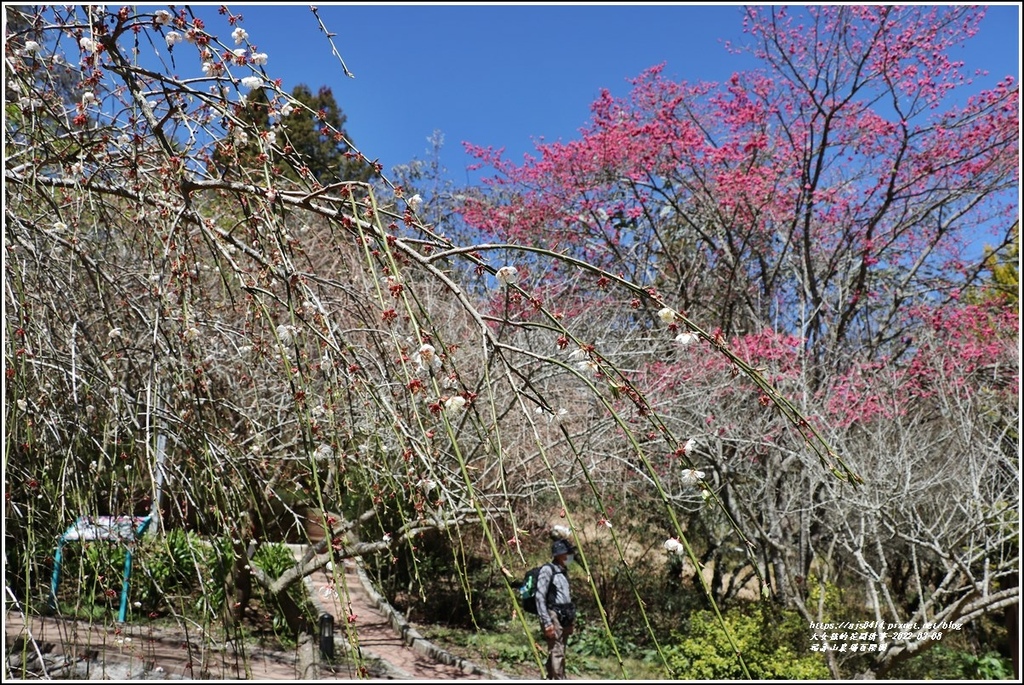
558 616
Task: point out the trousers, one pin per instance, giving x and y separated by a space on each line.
556 648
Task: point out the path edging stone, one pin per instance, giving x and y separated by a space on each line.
414 639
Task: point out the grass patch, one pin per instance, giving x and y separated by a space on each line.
508 649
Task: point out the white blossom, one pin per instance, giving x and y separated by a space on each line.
454 404
162 18
552 416
22 405
691 476
685 339
285 333
667 315
114 333
579 354
688 446
415 202
560 532
88 98
87 44
259 58
287 109
427 485
507 275
31 46
323 452
240 35
427 358
252 81
673 546
387 538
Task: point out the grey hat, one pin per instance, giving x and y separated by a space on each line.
560 547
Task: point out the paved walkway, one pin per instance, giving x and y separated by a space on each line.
382 643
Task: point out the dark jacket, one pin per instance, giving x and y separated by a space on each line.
548 574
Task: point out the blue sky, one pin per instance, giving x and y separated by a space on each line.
504 75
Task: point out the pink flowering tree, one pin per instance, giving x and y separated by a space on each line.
816 217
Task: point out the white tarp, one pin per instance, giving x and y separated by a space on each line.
119 528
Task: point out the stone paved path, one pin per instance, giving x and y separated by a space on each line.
360 622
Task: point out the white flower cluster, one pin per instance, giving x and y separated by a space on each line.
427 359
240 35
455 404
691 476
507 275
552 416
673 546
582 361
685 339
560 532
286 333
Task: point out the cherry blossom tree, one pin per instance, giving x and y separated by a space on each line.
815 215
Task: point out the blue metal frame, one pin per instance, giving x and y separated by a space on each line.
93 531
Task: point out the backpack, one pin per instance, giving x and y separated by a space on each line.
528 590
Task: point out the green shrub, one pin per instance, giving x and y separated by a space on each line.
275 558
180 570
940 662
774 644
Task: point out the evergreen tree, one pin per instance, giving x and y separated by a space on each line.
310 140
317 134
